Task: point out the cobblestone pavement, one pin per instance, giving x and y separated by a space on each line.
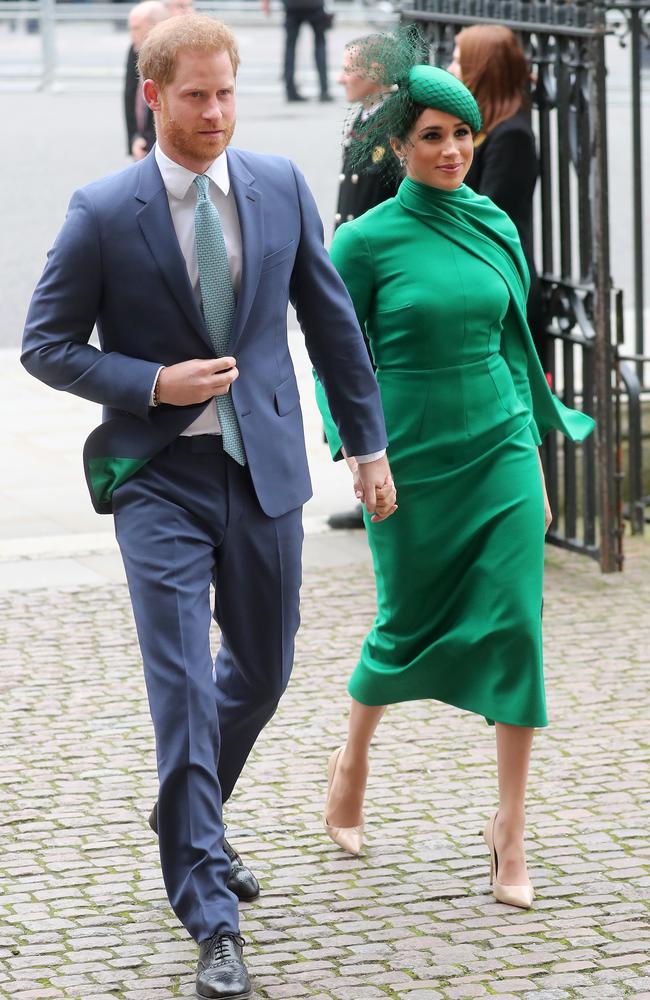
83 911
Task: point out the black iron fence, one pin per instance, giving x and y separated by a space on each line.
565 43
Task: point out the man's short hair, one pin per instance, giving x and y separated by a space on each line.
194 33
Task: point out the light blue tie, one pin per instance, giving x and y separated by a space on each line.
218 304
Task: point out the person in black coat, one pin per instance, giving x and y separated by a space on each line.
140 132
490 61
363 185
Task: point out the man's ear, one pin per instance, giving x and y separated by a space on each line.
151 94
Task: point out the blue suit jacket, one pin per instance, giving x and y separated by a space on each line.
117 263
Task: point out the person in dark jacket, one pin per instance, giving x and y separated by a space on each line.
492 64
363 185
179 260
140 132
298 12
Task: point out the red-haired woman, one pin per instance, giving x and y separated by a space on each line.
492 64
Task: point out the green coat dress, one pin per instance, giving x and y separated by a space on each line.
439 284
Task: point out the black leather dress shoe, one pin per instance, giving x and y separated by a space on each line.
221 972
241 880
293 97
347 520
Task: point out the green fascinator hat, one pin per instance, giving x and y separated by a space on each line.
437 88
409 84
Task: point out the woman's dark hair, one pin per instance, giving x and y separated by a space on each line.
410 114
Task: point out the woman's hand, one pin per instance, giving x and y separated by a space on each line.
385 494
357 485
548 513
385 500
352 464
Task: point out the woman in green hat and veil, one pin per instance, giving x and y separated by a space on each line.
439 283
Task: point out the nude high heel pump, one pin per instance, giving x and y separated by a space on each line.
513 895
350 838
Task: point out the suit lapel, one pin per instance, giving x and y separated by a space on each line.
155 221
251 223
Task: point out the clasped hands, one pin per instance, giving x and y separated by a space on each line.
374 487
196 381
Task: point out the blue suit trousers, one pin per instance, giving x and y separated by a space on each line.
189 519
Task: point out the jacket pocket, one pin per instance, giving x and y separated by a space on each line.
278 256
286 396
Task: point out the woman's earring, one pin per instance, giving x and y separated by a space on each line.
402 162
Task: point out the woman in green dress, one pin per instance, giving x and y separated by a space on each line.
439 284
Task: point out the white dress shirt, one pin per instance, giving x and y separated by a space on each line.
182 194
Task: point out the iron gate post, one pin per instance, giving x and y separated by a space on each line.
602 307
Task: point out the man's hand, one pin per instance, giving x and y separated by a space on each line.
139 148
196 381
373 485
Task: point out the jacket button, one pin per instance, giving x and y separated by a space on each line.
349 218
337 217
354 178
341 177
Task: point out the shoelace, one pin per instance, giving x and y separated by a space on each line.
231 853
221 952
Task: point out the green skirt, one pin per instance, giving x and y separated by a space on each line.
459 566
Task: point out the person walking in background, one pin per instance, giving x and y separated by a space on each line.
297 13
439 281
366 68
185 262
491 62
139 119
140 132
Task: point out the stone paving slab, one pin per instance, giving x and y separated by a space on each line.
83 913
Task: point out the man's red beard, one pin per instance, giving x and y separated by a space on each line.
191 143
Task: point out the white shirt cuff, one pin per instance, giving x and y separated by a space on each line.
362 459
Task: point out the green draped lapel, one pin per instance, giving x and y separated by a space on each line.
476 224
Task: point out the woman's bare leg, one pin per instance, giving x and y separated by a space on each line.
345 801
514 745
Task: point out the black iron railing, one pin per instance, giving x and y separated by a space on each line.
629 20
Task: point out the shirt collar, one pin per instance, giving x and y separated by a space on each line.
178 179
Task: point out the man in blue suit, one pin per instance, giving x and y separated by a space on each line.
186 261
